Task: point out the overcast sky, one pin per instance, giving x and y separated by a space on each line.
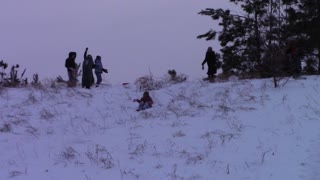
131 36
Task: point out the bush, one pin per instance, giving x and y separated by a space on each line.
148 82
11 79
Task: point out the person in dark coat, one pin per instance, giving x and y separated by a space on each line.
98 70
87 74
145 102
71 66
210 59
293 59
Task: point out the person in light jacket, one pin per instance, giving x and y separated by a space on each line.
98 70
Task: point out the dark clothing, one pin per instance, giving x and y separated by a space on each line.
210 59
146 99
98 68
71 66
144 103
70 63
87 74
292 51
293 60
99 78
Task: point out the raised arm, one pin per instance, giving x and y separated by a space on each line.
85 53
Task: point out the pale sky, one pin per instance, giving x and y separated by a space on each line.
131 36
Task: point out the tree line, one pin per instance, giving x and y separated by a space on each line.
254 40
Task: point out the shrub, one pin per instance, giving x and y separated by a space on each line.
11 79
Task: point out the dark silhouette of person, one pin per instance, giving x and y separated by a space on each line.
87 74
71 66
210 59
293 59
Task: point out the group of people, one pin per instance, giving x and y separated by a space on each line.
88 66
146 101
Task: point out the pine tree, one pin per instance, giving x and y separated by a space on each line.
304 22
253 42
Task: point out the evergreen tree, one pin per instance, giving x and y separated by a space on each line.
304 23
253 42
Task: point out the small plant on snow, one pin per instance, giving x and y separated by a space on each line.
173 175
101 157
6 127
176 78
35 79
35 82
69 153
140 149
219 135
178 134
46 115
13 174
179 110
195 159
53 84
12 79
148 82
32 99
32 130
184 103
147 115
130 172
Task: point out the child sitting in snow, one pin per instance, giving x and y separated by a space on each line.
145 102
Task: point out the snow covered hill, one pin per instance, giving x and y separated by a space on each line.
243 130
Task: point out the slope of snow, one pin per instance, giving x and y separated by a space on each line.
196 130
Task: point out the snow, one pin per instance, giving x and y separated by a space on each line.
240 130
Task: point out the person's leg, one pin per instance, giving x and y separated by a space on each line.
99 78
296 68
70 75
141 105
70 79
146 106
74 77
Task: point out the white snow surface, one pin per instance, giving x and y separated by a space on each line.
242 130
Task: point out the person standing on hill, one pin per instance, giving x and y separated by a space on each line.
87 66
293 59
71 66
210 59
98 70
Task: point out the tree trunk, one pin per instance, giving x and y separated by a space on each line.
318 39
257 38
318 58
